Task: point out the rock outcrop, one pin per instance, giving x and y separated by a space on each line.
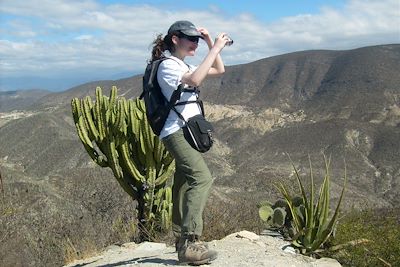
244 249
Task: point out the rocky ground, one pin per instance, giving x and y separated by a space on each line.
244 249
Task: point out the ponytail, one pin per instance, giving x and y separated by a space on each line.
158 48
161 44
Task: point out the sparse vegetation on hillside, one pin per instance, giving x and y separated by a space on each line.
368 238
222 218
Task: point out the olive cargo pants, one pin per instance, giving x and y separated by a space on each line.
192 183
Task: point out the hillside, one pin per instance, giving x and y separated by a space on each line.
341 103
19 100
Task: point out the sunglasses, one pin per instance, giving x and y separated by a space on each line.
194 39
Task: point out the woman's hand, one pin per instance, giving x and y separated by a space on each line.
212 63
221 40
206 36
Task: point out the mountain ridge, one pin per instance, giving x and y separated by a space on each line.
344 104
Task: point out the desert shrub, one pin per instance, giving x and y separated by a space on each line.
224 217
368 238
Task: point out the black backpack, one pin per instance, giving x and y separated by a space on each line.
157 105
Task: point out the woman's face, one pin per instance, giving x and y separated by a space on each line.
186 45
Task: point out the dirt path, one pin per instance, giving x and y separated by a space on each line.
244 249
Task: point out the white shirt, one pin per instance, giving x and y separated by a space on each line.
169 76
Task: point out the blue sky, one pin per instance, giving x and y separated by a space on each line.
55 44
261 9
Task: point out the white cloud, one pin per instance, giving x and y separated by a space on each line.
48 9
86 35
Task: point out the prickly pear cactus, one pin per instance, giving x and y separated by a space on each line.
116 134
277 216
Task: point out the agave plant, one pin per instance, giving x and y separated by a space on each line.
313 227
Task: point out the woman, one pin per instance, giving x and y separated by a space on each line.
192 180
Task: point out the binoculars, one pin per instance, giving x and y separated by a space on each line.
230 41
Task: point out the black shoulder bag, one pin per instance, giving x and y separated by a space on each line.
198 131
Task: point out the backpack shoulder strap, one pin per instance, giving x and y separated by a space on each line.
150 76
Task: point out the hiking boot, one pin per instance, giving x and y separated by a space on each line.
179 242
195 253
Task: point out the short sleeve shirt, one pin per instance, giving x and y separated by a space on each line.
169 76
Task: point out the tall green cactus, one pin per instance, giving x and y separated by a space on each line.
116 134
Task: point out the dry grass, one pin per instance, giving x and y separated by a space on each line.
1 186
222 218
121 230
85 249
380 231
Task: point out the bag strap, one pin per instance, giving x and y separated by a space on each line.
176 95
174 98
153 75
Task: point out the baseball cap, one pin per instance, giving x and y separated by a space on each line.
185 27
